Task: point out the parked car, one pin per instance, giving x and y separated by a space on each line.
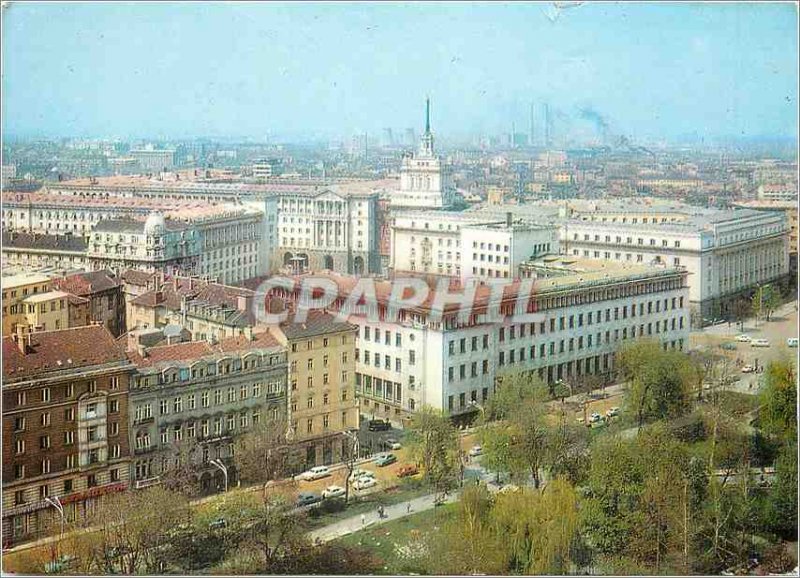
364 482
475 451
333 492
359 473
792 342
614 411
759 343
728 346
385 460
408 470
393 444
217 524
379 425
307 499
595 417
748 369
744 338
315 473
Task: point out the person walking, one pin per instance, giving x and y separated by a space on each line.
363 520
408 508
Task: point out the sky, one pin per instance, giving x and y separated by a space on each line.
325 70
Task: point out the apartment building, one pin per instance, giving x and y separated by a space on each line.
65 426
322 397
210 311
452 365
17 288
103 291
43 253
189 401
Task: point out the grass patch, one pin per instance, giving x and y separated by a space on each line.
395 542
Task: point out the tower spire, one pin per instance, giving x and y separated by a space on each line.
428 115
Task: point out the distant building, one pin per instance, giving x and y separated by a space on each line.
791 211
266 168
424 178
786 192
65 426
153 160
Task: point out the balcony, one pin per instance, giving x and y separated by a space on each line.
144 450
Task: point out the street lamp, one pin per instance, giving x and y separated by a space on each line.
223 468
56 503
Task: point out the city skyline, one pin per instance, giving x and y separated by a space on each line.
300 72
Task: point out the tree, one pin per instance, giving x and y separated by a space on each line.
184 466
778 413
433 441
783 496
133 528
264 452
537 528
468 544
658 381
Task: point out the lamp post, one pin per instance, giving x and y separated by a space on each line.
56 503
223 468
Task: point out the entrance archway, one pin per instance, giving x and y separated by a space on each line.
358 266
328 263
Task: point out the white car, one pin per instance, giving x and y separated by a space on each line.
759 343
595 417
333 492
475 451
359 473
315 473
614 411
393 444
748 369
743 338
364 482
792 342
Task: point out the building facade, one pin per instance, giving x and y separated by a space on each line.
322 397
422 358
189 401
65 428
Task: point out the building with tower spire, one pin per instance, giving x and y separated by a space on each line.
424 179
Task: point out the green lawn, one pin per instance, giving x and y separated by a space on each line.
389 541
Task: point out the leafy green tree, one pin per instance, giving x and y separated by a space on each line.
783 495
433 441
778 413
538 528
468 544
659 382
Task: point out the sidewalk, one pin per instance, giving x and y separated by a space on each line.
393 512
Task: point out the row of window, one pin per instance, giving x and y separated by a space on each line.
628 240
310 362
176 404
45 393
20 496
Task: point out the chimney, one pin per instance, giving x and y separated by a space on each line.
244 302
159 296
22 339
509 219
141 349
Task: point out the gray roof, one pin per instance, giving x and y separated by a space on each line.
75 243
317 323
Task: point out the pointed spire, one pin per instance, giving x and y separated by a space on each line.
427 115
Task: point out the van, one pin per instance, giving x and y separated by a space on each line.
379 425
759 343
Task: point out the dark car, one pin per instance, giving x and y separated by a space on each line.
379 425
307 499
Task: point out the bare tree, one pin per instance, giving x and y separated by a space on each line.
264 453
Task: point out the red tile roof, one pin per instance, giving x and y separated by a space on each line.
192 350
84 284
64 349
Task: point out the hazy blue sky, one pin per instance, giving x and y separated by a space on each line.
190 69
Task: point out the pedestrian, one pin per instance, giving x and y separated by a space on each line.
363 520
408 508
